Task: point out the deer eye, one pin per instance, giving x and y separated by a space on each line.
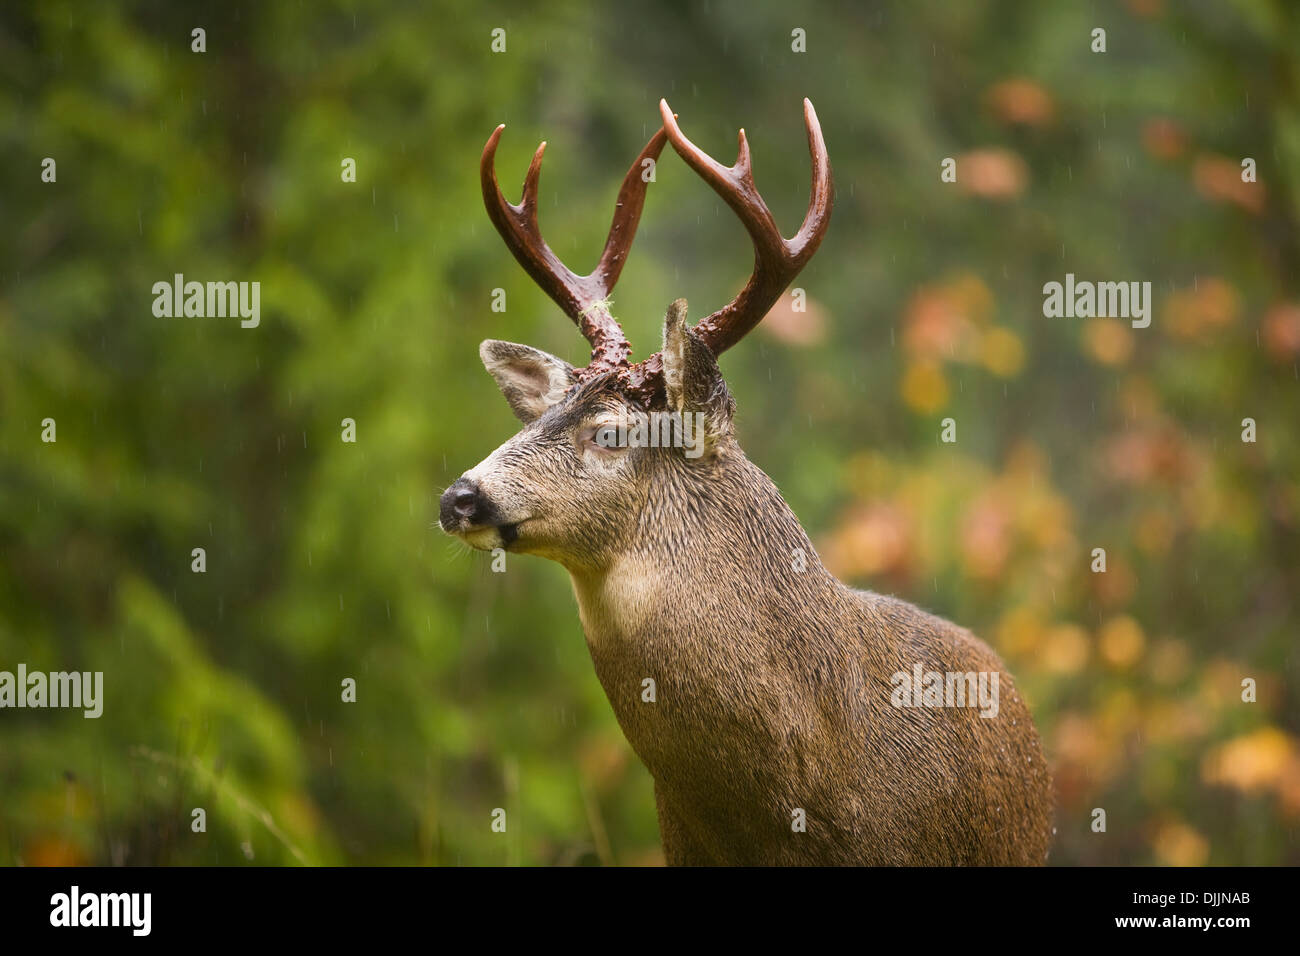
602 437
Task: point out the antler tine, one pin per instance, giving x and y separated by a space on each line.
583 298
627 212
777 260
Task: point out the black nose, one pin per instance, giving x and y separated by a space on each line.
460 504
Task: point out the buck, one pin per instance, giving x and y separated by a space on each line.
753 684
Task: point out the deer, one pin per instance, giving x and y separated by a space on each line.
766 698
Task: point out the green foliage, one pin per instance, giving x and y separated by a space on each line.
474 689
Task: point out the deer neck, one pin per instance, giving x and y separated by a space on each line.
716 551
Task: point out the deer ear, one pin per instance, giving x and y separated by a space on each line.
692 381
530 379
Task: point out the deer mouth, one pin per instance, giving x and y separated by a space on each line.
469 514
488 536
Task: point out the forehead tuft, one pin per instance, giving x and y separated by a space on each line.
602 394
605 392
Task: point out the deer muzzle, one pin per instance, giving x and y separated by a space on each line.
468 513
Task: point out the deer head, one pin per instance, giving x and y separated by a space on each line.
567 485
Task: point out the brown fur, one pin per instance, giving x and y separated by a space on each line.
773 685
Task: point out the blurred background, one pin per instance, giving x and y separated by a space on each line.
474 689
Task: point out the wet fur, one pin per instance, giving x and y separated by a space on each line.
773 685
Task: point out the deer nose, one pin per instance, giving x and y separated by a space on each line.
459 503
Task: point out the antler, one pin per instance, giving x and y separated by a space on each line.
776 260
583 298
